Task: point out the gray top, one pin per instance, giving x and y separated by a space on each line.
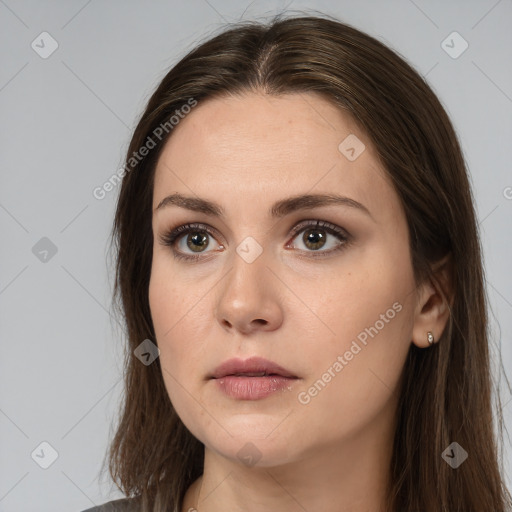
121 505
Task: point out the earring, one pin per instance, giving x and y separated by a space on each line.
430 338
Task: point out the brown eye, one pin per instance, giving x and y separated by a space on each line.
197 241
189 238
191 241
316 236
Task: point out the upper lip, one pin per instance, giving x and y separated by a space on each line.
252 366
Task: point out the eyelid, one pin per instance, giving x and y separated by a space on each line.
171 235
316 223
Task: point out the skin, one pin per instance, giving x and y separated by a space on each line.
333 453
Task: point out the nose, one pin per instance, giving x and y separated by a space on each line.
249 298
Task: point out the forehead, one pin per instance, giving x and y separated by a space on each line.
254 149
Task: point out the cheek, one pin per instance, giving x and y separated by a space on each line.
179 310
166 312
371 291
367 317
178 315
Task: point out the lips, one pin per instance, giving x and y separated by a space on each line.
252 367
252 379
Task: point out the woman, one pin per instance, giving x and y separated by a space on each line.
329 350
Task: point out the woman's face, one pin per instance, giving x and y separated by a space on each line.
334 310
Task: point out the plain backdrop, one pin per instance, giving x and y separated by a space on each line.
74 77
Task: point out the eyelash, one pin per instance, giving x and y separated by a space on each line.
172 236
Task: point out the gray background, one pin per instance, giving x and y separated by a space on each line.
65 125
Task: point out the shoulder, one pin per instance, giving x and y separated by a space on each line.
121 505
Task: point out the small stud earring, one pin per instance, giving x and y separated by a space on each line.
430 338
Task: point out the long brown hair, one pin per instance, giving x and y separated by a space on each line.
448 386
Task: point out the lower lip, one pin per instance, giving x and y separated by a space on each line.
254 388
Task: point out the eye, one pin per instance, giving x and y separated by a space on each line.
197 239
315 237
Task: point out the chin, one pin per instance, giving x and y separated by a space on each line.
256 453
252 440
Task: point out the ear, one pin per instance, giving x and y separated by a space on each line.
434 302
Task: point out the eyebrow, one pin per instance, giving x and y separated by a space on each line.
279 209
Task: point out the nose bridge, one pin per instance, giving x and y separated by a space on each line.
247 297
249 267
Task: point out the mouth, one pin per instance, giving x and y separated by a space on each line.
252 379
